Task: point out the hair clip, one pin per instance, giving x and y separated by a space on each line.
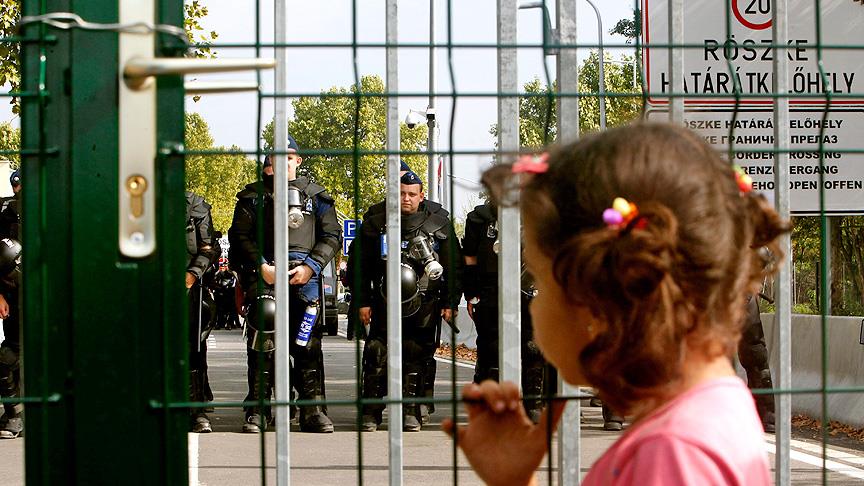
744 181
532 164
620 214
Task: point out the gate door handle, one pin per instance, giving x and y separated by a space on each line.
139 71
137 123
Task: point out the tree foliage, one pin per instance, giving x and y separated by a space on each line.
538 113
10 13
10 139
10 66
219 177
628 28
847 265
327 123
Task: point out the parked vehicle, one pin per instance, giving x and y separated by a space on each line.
329 291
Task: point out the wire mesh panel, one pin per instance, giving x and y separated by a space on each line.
773 86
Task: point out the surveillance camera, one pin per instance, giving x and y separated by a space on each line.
414 118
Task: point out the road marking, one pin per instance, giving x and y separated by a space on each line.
193 459
458 363
840 455
845 469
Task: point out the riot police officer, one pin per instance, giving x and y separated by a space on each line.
314 240
12 422
10 220
430 291
479 248
202 249
753 355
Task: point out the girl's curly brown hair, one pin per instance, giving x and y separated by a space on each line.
679 280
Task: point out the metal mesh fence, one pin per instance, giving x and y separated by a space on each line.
777 88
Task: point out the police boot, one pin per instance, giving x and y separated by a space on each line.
765 403
411 411
611 421
532 386
312 417
200 423
372 414
13 425
429 371
258 417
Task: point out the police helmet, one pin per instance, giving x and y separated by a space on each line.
261 324
10 255
15 178
411 297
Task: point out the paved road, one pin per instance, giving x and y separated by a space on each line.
228 457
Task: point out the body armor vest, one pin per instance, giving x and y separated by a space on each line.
300 239
433 229
487 259
196 210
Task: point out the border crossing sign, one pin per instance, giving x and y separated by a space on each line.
718 61
349 232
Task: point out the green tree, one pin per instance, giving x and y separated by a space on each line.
629 28
10 15
538 113
327 123
218 177
10 139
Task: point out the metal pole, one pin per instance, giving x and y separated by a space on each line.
783 289
283 339
510 257
394 224
829 276
676 60
432 167
569 436
601 89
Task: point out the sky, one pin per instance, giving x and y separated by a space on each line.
233 118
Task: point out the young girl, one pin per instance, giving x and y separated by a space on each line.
643 243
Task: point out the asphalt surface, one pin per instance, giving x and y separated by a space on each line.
229 457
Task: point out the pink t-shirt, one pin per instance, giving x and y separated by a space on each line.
710 435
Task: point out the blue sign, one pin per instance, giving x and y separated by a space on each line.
349 232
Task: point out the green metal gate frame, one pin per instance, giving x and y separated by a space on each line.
104 334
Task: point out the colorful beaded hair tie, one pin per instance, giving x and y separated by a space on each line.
621 214
744 181
531 164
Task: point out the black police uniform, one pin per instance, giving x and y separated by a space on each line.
317 240
753 355
10 220
202 250
379 211
225 296
481 283
420 331
12 422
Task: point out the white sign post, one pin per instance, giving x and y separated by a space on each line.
722 58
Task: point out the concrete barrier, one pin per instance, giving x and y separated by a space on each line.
845 364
